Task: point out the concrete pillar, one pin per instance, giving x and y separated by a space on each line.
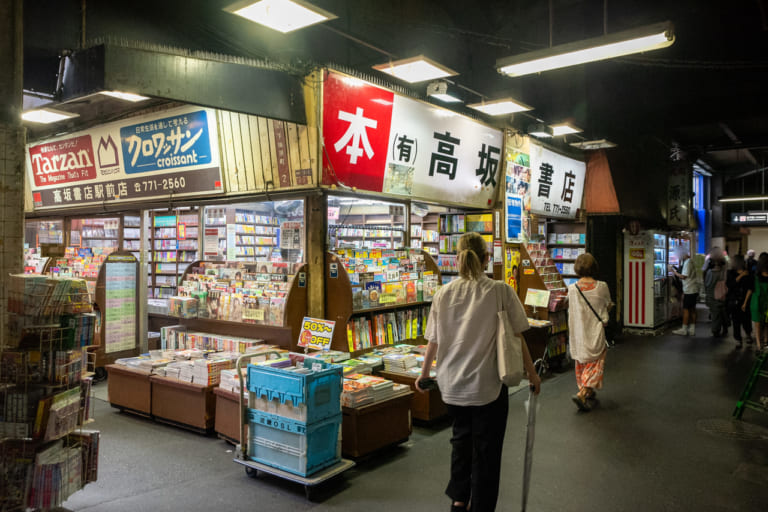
11 150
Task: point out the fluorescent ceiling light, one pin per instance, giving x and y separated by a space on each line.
500 107
415 69
563 129
742 199
540 130
642 39
593 144
126 96
46 115
281 15
440 91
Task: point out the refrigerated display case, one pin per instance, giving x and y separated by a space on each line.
646 285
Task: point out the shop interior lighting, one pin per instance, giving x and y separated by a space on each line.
443 92
593 144
415 69
540 130
744 199
47 115
281 15
564 129
500 107
126 96
628 42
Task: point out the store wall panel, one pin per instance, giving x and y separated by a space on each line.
260 154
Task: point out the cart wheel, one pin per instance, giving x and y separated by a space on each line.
251 472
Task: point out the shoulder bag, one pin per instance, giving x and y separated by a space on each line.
609 337
509 348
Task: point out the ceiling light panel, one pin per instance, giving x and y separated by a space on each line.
47 115
564 129
415 69
125 96
282 15
643 39
500 107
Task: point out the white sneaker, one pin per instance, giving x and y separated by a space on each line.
683 331
691 330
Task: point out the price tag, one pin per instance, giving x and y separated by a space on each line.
316 333
316 367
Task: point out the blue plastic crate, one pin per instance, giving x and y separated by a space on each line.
293 446
319 392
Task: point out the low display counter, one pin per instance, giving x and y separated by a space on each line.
425 407
184 404
129 389
370 428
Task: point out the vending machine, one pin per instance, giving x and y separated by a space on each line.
645 279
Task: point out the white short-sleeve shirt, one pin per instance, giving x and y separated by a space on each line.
462 322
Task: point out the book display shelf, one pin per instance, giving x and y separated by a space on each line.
451 227
367 231
45 393
549 321
566 241
243 233
132 235
173 246
425 233
402 283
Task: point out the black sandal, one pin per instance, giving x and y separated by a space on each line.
581 404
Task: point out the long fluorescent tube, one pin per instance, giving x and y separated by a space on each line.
415 69
742 199
126 96
46 115
564 129
594 144
281 15
500 107
642 39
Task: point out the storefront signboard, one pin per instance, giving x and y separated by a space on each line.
679 194
376 140
173 153
557 183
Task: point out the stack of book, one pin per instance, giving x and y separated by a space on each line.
399 363
207 372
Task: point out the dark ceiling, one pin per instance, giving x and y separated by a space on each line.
707 92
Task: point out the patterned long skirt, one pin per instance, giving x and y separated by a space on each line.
590 374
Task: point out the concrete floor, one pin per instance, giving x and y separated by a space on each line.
642 449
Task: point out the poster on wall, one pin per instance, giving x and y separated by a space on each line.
120 313
379 141
514 217
557 183
512 267
173 153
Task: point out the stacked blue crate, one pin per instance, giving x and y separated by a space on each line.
295 417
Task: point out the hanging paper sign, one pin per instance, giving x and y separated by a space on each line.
211 242
557 183
379 141
181 231
316 334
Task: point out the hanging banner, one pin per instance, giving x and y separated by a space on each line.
379 141
557 183
679 194
173 153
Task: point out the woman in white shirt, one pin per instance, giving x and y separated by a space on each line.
461 331
587 331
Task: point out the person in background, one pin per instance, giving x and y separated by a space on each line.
587 332
751 262
461 331
740 283
758 300
715 272
689 277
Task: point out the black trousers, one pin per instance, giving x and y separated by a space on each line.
741 319
478 437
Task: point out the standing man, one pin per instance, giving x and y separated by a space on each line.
690 280
751 262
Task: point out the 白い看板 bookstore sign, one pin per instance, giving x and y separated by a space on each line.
379 141
173 153
557 183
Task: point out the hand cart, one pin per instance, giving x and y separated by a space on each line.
253 469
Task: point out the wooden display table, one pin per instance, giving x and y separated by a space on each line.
372 427
227 423
427 406
183 404
129 389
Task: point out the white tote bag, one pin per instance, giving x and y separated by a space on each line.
509 348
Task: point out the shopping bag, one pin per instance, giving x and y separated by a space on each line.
509 348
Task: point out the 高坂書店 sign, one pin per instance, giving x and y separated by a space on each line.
378 141
171 153
557 183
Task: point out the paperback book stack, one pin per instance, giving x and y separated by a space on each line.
207 372
399 363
